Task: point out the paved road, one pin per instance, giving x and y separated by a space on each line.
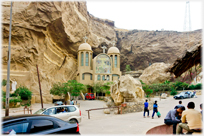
131 123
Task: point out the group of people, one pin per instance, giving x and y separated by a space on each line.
155 109
179 117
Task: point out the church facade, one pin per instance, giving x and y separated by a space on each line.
102 68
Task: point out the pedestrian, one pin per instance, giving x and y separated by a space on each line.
179 105
72 102
171 119
146 108
194 93
201 108
191 120
155 109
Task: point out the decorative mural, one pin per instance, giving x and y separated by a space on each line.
103 64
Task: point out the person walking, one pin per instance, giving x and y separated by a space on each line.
191 120
171 119
155 109
146 108
194 93
72 102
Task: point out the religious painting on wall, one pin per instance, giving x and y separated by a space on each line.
103 64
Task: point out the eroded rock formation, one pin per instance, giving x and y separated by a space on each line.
155 73
49 34
127 89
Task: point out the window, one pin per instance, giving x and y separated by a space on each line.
82 59
71 109
90 59
111 59
50 111
87 59
20 128
103 77
90 76
115 61
82 76
108 77
99 77
41 125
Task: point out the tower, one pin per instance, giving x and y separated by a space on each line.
187 19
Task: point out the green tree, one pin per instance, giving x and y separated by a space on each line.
127 68
59 89
23 92
100 87
75 88
3 82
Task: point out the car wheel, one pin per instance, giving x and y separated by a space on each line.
73 121
181 97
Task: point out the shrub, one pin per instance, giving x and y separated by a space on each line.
13 99
108 92
198 86
3 83
191 87
173 91
23 92
148 92
180 85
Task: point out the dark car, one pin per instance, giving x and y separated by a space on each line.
58 103
183 95
37 124
89 96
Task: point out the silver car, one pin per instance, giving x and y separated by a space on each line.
183 95
68 113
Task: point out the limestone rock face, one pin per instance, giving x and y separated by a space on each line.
139 48
127 89
49 33
155 73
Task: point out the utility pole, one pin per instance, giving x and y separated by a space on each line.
40 87
8 66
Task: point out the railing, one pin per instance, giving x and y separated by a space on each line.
105 108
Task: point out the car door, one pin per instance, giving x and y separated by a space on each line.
186 95
16 127
72 111
63 115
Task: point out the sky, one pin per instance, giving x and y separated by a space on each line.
148 15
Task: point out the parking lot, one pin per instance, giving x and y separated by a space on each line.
131 123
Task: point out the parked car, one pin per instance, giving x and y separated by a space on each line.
89 96
58 103
37 124
182 95
68 113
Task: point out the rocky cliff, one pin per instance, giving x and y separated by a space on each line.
49 33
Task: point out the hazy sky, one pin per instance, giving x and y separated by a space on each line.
148 15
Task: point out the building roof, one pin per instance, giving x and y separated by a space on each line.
85 46
189 59
113 50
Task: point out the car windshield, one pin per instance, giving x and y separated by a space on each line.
40 110
92 94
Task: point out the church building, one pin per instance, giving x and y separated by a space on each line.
102 68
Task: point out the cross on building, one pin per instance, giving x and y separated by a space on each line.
104 48
113 42
85 38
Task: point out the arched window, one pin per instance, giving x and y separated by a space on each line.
82 76
103 77
87 59
90 60
90 76
111 59
115 61
99 77
108 78
82 59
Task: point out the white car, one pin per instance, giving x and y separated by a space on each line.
69 113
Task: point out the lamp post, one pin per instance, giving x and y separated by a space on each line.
8 66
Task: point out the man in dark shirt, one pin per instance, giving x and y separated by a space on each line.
171 119
146 108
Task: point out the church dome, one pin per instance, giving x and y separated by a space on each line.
113 50
85 46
